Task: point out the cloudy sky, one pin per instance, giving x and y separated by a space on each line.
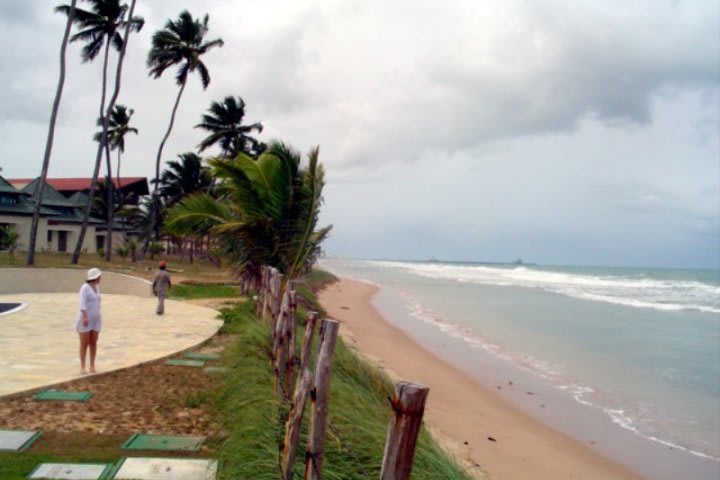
559 132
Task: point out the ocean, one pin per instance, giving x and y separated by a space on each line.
638 349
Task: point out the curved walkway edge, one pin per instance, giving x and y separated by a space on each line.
39 345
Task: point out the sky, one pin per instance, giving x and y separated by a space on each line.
556 132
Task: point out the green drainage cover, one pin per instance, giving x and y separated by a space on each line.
185 363
17 440
71 471
215 369
140 468
59 396
141 441
202 356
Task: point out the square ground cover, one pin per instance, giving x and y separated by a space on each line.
17 440
140 468
59 396
202 356
185 362
71 471
142 441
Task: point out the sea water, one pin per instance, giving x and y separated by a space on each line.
639 345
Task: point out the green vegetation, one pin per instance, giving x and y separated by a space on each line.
191 291
358 412
180 43
266 212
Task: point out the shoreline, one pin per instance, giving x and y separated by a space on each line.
460 408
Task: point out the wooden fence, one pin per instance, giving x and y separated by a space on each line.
277 305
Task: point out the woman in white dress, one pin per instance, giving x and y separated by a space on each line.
89 322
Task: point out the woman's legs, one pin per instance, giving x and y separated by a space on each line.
92 343
84 342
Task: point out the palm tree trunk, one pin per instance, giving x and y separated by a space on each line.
104 84
37 201
103 139
153 212
110 204
98 160
121 197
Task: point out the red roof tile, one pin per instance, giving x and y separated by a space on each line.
74 184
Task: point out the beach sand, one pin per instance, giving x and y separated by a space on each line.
461 412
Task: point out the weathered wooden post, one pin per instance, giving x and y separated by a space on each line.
264 281
260 292
275 293
290 328
265 288
408 404
315 454
302 388
307 341
279 351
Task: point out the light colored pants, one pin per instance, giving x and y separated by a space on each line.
161 303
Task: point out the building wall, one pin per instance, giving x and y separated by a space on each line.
22 225
73 233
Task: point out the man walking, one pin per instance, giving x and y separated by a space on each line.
161 285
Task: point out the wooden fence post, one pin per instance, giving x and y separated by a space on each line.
307 341
279 351
290 328
302 387
315 453
408 404
275 293
265 305
261 291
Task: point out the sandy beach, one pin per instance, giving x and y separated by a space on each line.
461 411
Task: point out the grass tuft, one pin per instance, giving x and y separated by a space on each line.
358 413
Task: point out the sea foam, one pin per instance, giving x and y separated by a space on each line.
637 289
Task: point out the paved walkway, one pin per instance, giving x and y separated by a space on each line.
39 345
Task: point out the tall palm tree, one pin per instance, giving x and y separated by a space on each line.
183 177
118 127
37 200
224 122
100 27
266 214
181 42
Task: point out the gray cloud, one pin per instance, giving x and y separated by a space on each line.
546 130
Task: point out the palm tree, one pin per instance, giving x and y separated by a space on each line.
118 127
267 212
100 27
181 42
224 122
180 179
37 200
183 177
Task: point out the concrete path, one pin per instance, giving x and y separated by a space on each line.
39 345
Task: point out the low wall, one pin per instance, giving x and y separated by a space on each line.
58 280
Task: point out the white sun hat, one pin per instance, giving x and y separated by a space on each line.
93 274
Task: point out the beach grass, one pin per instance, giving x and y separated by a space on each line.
358 412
